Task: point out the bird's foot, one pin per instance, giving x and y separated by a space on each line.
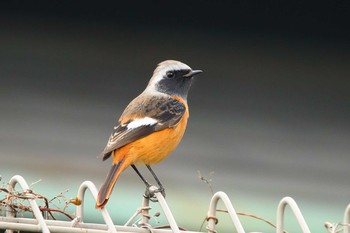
151 191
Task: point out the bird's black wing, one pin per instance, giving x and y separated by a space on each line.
167 112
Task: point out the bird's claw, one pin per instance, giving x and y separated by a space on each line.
161 190
151 191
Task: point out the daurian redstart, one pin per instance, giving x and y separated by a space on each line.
151 126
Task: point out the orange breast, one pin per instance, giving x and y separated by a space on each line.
154 147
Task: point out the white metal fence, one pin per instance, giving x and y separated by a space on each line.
11 223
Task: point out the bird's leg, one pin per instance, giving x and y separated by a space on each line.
139 174
148 193
160 188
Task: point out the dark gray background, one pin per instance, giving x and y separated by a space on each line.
269 115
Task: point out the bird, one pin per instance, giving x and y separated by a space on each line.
151 126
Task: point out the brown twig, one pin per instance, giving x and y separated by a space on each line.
13 201
208 181
50 210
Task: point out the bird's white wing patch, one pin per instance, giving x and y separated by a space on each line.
140 122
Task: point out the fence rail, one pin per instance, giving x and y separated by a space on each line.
12 223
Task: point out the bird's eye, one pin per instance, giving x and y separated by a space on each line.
170 74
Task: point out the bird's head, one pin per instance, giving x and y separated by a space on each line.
173 78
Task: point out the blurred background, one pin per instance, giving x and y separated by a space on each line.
269 116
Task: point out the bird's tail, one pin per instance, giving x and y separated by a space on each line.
107 187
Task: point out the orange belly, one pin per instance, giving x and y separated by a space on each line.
154 147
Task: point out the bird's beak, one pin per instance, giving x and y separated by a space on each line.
192 73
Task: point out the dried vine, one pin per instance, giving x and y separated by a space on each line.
16 203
